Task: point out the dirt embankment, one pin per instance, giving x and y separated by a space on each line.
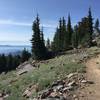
92 92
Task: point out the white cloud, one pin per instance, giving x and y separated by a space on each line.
11 22
17 23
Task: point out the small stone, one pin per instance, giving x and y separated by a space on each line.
57 88
1 98
76 99
68 88
70 75
0 94
90 82
83 81
71 83
6 96
53 94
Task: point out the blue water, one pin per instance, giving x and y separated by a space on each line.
13 49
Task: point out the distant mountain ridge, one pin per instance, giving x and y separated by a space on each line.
13 49
15 45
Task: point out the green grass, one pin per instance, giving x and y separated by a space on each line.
53 69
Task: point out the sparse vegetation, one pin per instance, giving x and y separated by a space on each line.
50 70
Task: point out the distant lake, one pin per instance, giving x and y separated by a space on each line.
13 49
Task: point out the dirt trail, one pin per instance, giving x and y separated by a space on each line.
93 74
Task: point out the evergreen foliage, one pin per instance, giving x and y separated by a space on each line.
69 31
25 55
48 44
75 37
97 29
39 50
90 26
63 36
11 62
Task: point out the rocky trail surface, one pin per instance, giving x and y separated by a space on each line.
93 73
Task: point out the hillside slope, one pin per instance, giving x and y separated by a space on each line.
13 86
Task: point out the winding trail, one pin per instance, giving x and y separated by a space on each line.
93 74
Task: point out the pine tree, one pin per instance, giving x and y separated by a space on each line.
60 36
97 29
56 41
39 50
16 61
69 31
64 35
9 62
42 36
84 32
90 25
75 37
25 55
3 63
48 44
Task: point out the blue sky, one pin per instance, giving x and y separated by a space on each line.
16 16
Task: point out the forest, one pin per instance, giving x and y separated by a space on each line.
67 37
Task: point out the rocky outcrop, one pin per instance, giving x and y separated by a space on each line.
64 89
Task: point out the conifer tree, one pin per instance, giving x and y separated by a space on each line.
75 37
97 29
25 55
3 63
9 62
69 31
42 36
56 41
64 34
90 20
60 36
48 44
84 32
39 50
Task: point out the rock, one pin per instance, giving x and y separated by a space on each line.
87 82
25 93
53 94
46 93
70 75
1 98
71 83
22 72
74 96
67 88
76 99
58 88
0 94
90 82
6 96
84 81
13 81
28 92
58 82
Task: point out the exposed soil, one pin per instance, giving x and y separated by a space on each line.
92 92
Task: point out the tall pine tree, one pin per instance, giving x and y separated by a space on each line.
69 31
39 50
75 37
97 29
48 44
90 26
